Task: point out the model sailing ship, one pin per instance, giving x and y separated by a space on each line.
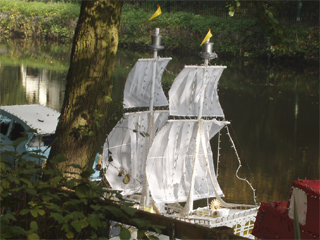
160 158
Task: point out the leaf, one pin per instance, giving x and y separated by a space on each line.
82 190
141 233
2 166
75 224
33 236
34 226
120 173
140 222
40 211
84 132
65 227
54 181
34 212
152 237
17 231
158 228
97 115
147 134
44 185
77 214
115 211
20 140
70 235
109 99
13 179
31 191
14 189
83 222
94 221
95 207
24 211
71 183
32 203
7 217
57 216
6 235
29 171
27 181
126 179
87 173
74 202
129 210
142 134
124 233
5 184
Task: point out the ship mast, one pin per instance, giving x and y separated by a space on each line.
155 46
207 55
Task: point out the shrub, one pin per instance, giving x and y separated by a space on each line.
57 208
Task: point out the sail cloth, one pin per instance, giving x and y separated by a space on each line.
188 87
171 161
137 92
127 146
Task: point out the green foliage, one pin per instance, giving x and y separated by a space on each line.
233 7
59 208
45 20
49 9
183 32
261 35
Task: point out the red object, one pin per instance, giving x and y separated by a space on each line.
273 222
98 167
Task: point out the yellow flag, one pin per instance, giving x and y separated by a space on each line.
157 13
209 35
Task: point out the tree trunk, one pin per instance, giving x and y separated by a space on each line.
89 85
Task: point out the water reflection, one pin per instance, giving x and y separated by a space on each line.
41 88
274 114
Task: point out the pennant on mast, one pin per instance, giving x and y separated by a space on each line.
208 36
156 14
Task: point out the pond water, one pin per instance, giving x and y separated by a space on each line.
273 110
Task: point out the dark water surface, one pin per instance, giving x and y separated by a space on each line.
273 110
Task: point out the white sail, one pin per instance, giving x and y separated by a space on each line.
127 146
171 161
137 92
188 87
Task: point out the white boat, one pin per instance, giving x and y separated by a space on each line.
169 159
36 123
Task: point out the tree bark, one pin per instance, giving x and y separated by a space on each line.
89 85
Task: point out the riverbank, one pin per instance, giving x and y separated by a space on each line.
181 32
